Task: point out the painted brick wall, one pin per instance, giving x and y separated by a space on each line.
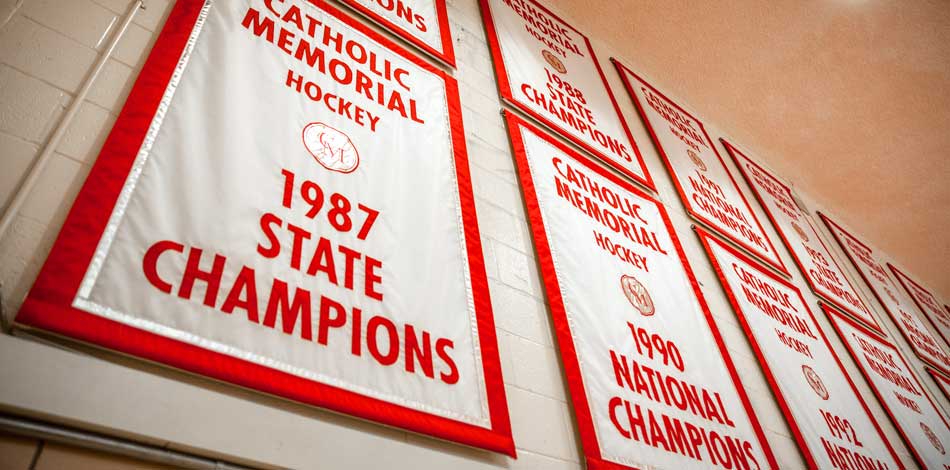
47 48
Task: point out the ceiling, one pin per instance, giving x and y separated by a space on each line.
847 99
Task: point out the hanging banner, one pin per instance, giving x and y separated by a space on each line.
830 421
904 314
307 230
423 23
921 426
637 340
926 302
795 227
702 180
942 381
548 70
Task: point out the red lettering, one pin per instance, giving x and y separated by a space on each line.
442 347
193 273
327 321
150 263
392 339
290 310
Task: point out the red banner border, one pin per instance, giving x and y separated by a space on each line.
940 379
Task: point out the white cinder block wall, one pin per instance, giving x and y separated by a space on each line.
47 48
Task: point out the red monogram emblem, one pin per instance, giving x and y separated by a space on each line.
637 295
933 439
815 381
554 61
330 147
694 157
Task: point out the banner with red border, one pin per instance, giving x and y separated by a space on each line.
422 23
800 236
548 70
903 312
637 340
701 177
262 214
814 392
942 381
921 426
926 302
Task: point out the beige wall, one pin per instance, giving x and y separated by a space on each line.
18 453
47 47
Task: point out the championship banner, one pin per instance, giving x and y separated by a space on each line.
921 426
548 70
810 253
636 338
702 180
942 381
284 203
925 345
830 421
423 23
926 302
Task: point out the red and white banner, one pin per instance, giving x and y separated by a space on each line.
923 428
795 227
901 310
285 204
926 302
423 23
637 340
942 381
702 180
829 419
548 69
